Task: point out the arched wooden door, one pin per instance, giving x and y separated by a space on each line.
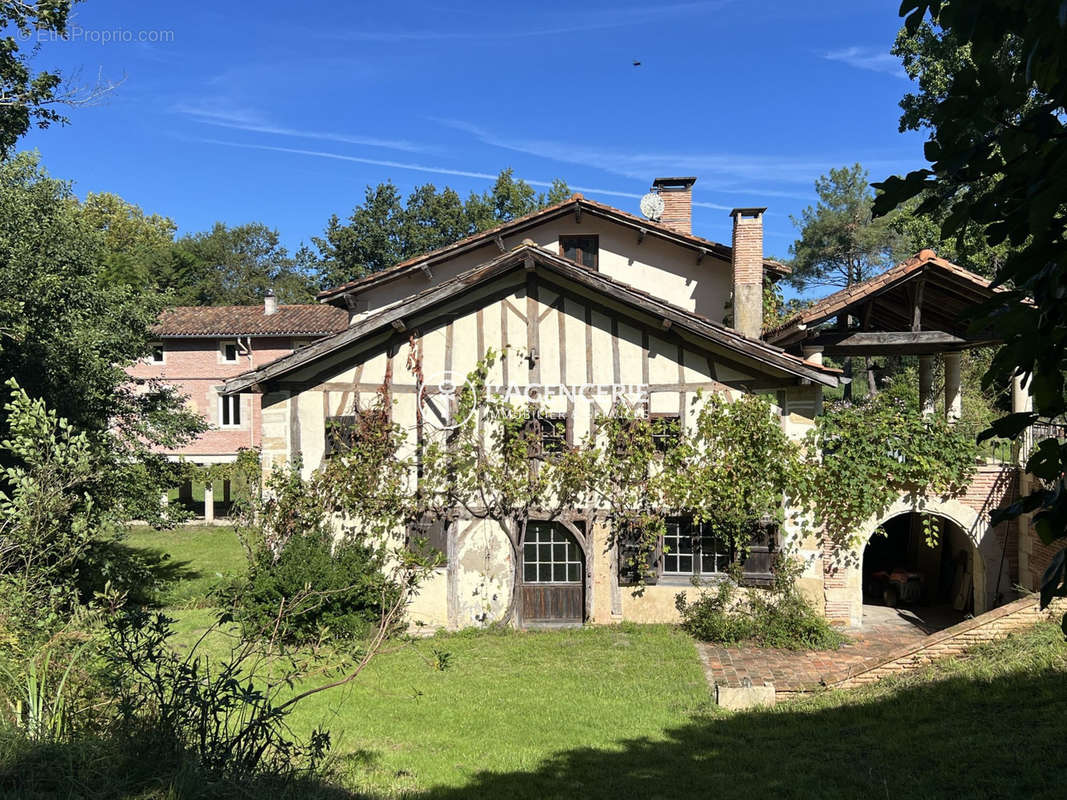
553 575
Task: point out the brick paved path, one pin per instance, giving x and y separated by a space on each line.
884 630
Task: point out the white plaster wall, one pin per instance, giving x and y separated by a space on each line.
659 267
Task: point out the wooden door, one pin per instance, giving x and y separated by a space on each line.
553 575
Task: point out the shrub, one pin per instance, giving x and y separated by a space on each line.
776 617
712 618
320 585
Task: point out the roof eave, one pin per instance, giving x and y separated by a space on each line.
514 259
333 296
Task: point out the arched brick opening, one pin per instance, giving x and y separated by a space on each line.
844 577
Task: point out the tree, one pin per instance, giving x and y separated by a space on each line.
932 57
234 266
386 229
67 334
840 242
135 244
997 152
27 98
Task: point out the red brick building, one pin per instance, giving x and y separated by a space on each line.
199 347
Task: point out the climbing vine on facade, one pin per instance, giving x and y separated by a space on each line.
861 457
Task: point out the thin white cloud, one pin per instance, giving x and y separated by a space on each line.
868 58
435 170
719 172
251 121
616 18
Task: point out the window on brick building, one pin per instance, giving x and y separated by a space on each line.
156 356
583 249
228 351
230 411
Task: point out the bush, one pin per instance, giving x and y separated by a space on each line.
711 618
776 617
320 585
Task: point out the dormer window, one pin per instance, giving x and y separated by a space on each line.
583 249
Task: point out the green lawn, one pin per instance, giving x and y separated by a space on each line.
624 712
201 557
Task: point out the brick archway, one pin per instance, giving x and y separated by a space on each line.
843 572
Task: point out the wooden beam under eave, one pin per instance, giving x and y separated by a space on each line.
641 235
499 242
577 213
700 254
398 325
864 343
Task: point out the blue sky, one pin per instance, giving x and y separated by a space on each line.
283 112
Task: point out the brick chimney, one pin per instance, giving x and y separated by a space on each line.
270 303
677 194
748 271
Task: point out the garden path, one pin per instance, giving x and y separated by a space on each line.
884 631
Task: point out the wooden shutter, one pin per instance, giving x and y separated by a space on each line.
628 550
757 568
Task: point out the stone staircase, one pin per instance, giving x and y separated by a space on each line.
746 677
995 624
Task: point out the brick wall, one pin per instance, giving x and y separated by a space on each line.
748 249
748 272
195 367
995 486
678 209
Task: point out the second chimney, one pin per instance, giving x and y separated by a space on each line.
677 194
270 303
748 271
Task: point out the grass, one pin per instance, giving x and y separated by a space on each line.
203 557
604 712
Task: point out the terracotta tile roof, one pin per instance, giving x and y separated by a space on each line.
295 320
838 301
767 353
477 239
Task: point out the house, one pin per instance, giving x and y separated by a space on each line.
199 347
601 305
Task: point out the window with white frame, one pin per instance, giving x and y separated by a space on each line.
156 354
691 548
228 351
230 411
550 555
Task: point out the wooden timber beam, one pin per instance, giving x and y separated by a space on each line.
891 343
917 305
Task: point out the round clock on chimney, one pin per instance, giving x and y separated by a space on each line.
652 206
